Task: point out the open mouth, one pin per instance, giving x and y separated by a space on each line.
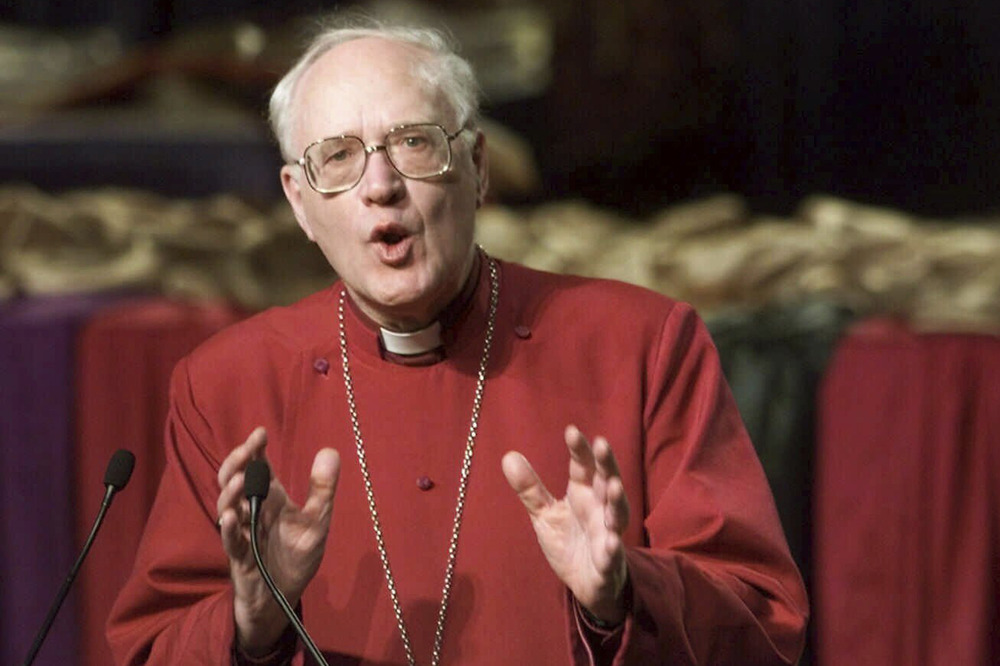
393 244
390 237
389 234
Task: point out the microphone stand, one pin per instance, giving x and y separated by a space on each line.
64 590
278 596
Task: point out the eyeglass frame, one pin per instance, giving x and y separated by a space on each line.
374 148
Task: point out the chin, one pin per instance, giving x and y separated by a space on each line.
398 297
409 284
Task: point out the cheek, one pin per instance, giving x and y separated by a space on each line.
327 230
325 217
452 217
452 235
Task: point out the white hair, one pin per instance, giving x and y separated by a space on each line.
444 70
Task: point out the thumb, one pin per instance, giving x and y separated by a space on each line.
525 482
323 482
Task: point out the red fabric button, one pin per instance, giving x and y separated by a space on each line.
321 365
425 483
522 331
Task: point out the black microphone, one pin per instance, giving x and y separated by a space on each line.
117 475
256 483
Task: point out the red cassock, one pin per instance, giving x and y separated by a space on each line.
711 579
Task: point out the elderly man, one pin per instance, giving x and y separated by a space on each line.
428 365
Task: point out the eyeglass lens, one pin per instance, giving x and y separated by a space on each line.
416 151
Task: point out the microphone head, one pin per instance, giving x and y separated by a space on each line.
257 479
119 469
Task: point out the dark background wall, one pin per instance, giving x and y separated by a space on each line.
891 103
657 101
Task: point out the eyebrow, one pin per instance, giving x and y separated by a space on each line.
393 126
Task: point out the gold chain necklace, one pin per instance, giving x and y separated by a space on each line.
462 486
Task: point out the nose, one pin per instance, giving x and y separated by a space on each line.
381 183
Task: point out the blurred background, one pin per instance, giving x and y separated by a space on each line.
636 106
815 177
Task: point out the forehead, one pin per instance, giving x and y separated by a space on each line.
366 86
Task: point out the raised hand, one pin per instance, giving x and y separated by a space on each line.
292 540
580 534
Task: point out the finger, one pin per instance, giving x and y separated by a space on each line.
252 447
613 562
232 518
231 497
234 542
581 454
616 510
323 483
605 458
525 482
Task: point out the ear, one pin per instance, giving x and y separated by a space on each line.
480 158
290 183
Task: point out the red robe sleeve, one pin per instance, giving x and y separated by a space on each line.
713 582
177 607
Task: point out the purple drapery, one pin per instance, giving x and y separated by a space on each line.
37 349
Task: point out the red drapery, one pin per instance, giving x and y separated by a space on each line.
125 358
907 517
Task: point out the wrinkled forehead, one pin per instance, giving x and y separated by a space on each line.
367 86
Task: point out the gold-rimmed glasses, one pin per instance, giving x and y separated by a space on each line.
337 163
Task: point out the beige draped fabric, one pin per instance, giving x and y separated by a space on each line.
714 253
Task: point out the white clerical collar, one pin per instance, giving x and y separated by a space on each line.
413 342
